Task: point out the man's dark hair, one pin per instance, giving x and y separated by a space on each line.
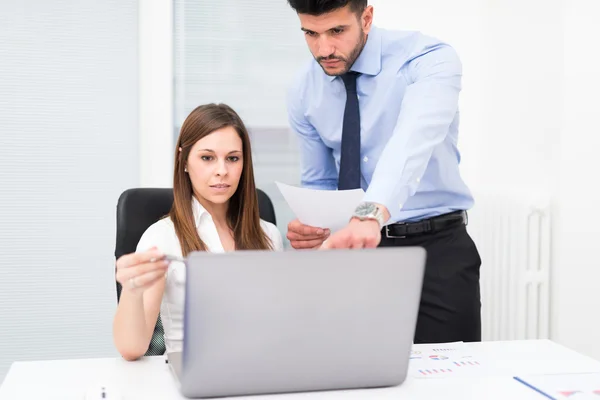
319 7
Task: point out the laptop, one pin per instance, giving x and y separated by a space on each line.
263 322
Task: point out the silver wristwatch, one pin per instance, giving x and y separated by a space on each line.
367 210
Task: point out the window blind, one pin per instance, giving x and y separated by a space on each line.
68 147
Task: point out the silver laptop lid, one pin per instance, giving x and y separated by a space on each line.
174 359
271 322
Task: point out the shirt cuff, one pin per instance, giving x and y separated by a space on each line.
394 202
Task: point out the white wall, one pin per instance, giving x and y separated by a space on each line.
576 272
521 92
156 93
68 147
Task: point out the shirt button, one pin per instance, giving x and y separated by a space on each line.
366 159
400 205
418 180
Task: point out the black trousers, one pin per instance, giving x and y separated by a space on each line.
450 308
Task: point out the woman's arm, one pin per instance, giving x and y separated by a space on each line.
143 283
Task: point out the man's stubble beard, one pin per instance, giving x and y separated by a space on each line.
348 62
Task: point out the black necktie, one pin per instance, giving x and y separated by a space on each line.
349 177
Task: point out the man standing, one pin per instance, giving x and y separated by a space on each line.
378 109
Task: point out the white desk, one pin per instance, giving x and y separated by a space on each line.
150 378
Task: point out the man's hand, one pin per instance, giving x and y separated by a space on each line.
306 237
356 235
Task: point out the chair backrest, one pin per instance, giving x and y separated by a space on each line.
139 208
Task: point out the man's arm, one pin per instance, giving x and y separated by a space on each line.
429 107
317 166
318 169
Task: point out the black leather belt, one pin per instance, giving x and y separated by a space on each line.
431 225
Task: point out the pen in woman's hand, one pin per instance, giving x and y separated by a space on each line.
169 257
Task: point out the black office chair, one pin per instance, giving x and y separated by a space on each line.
137 209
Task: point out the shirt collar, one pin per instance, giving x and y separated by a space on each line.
369 60
198 210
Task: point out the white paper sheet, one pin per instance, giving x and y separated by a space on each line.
446 360
327 209
562 386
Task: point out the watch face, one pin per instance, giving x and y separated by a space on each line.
365 209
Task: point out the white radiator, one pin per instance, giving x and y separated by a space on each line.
513 238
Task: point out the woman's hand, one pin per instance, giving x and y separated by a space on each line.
138 271
306 237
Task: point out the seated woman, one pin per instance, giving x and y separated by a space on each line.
215 209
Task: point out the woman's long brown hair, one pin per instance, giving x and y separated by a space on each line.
242 214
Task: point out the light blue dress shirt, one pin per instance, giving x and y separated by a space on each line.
408 98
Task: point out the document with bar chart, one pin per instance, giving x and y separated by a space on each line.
446 360
564 386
